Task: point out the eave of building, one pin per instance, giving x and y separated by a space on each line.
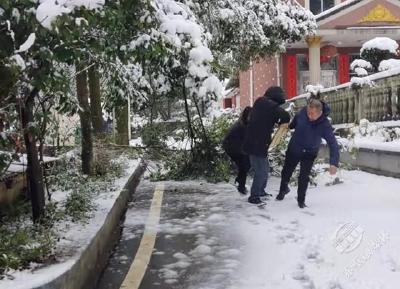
345 8
353 35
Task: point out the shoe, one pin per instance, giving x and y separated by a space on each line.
282 193
264 194
302 205
256 201
242 190
285 190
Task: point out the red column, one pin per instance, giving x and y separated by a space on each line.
344 68
291 74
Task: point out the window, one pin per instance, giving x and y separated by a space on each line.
318 6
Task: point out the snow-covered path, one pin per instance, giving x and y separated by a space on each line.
210 237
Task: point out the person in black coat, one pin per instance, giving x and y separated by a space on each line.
232 145
311 124
265 114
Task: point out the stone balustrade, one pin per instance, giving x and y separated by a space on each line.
377 102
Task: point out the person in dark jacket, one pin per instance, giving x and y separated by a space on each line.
311 124
265 114
232 145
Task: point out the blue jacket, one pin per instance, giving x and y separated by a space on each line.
308 135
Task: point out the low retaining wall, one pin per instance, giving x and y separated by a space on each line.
85 273
379 162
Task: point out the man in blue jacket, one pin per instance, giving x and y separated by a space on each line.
266 112
311 124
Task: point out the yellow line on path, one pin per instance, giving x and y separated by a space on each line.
139 266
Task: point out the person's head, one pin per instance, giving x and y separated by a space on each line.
276 93
314 109
245 115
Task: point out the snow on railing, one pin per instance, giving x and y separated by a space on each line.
375 97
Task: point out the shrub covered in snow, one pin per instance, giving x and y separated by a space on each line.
378 49
389 64
358 82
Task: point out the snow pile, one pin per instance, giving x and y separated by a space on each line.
389 64
381 43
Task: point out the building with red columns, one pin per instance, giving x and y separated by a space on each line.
324 58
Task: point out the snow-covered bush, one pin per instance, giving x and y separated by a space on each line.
358 82
375 132
361 67
378 49
389 64
361 63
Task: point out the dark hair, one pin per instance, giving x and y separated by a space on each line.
315 101
244 116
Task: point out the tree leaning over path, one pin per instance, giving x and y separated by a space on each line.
150 52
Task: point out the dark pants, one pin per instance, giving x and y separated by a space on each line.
260 166
243 164
291 161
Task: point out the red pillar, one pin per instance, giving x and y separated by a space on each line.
291 75
344 68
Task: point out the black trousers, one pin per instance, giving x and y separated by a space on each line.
243 164
291 161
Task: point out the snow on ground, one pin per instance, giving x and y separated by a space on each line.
74 237
371 143
241 246
373 135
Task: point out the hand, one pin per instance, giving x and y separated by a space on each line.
332 170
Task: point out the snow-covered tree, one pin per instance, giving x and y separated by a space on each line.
244 30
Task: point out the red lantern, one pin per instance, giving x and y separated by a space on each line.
329 51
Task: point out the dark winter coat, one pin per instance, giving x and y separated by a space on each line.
233 141
265 114
308 135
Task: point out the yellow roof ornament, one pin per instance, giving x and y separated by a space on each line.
379 14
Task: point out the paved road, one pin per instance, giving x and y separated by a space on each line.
190 232
198 236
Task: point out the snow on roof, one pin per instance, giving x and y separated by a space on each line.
381 43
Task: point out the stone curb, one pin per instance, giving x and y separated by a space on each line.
85 273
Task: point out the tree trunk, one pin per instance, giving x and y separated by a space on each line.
84 114
122 116
95 100
34 170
